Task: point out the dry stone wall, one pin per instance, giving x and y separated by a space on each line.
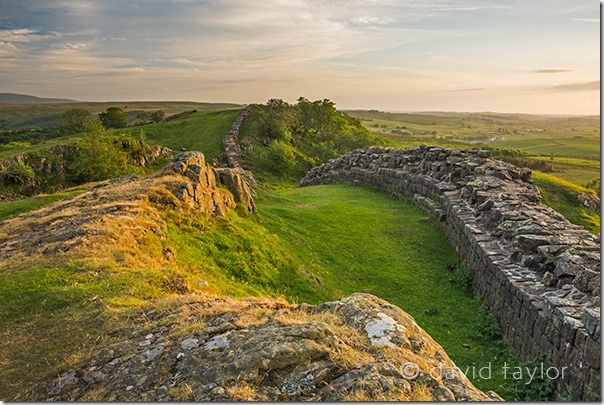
539 273
232 152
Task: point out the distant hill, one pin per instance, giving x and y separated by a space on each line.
14 98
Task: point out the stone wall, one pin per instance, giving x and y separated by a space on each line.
232 152
539 273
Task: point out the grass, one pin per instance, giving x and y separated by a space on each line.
201 131
11 208
309 245
355 239
561 195
533 134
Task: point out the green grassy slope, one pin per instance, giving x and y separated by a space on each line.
356 239
202 131
561 195
309 245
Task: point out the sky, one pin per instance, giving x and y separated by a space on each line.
529 56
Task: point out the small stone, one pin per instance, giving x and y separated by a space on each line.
443 394
189 343
217 391
128 388
144 343
151 354
549 280
486 206
218 342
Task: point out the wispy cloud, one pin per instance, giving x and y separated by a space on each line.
586 20
581 86
467 90
548 71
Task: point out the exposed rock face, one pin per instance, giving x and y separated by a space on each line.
538 272
117 212
359 347
234 179
51 166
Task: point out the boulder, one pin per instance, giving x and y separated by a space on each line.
356 348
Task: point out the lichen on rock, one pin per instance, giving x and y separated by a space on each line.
291 352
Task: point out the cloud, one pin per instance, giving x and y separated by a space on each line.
365 52
19 35
546 71
579 86
586 20
76 46
467 90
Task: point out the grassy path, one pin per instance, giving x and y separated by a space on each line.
355 239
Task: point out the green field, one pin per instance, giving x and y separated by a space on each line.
18 116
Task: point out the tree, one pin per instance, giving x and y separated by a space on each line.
114 117
75 119
157 116
100 156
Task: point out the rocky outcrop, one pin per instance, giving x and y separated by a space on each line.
357 348
120 213
192 165
539 273
51 168
235 180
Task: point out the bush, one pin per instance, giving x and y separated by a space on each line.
19 173
75 119
488 326
281 156
537 389
100 156
114 117
157 116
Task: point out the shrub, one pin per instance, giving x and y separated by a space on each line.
20 173
99 155
537 389
114 117
488 326
157 116
75 119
